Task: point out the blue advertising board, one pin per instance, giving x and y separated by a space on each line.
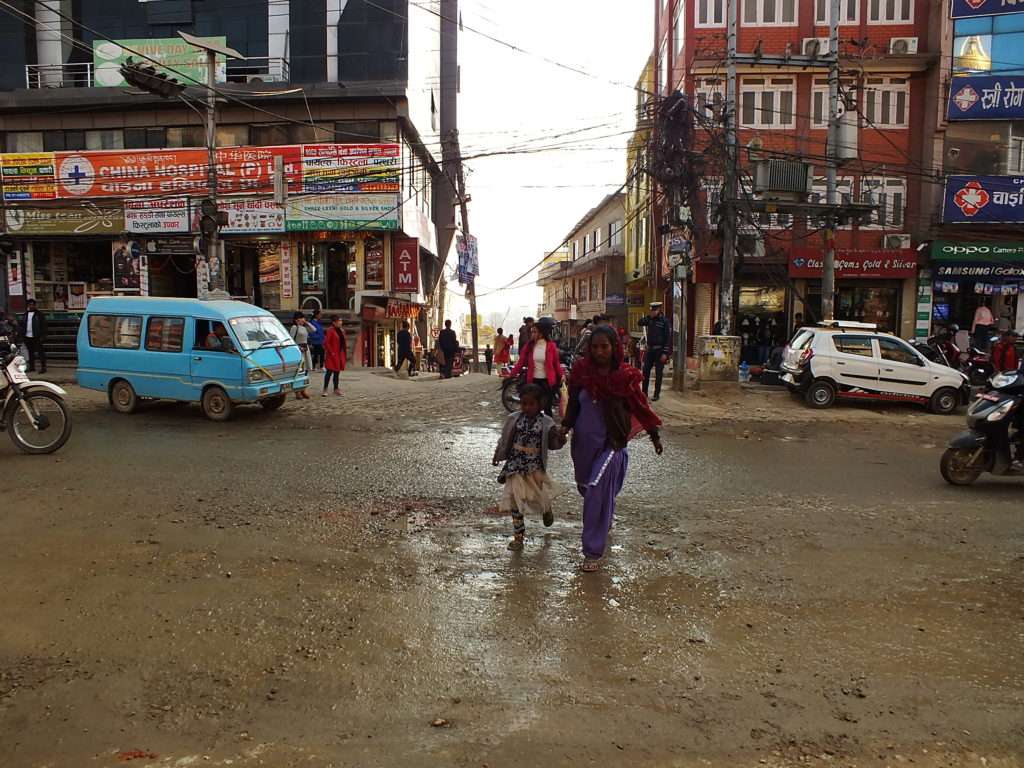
983 200
965 9
986 97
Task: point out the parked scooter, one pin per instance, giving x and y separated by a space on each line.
994 441
33 412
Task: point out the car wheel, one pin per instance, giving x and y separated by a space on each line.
957 468
945 401
821 394
216 404
123 398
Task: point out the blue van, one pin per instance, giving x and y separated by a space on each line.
215 353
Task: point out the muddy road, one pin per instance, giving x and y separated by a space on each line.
326 586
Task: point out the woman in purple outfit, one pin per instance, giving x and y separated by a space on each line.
607 408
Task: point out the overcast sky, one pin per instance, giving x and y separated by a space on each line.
523 205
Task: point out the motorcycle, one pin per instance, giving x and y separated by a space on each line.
994 441
33 413
510 384
976 366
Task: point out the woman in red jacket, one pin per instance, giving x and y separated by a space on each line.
541 362
335 356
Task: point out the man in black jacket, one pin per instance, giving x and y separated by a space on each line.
405 349
33 333
659 347
448 343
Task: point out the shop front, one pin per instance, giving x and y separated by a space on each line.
872 286
975 280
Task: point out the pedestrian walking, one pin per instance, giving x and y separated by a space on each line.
448 346
502 348
1004 353
300 335
525 441
335 354
606 409
489 358
524 334
659 348
540 362
405 349
316 340
33 333
584 339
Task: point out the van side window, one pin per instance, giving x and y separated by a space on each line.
213 336
854 345
164 334
115 331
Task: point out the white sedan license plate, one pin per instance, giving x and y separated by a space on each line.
15 375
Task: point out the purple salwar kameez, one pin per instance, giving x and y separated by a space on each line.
600 473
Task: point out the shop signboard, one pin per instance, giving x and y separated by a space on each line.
177 59
615 300
157 216
252 217
983 200
947 250
128 261
403 310
986 97
28 176
14 284
83 219
405 265
328 168
270 266
895 264
978 270
965 9
348 213
251 169
468 252
373 259
286 270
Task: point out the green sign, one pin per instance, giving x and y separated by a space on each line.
172 52
947 250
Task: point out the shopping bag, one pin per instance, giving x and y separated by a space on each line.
563 399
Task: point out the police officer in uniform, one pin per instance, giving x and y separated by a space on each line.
659 347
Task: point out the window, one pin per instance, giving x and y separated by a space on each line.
598 238
664 76
601 287
897 352
186 136
819 194
25 141
853 345
164 334
679 29
144 138
212 336
232 135
287 133
849 12
356 132
885 102
592 288
767 102
1015 162
769 13
114 331
106 139
891 11
575 249
819 100
615 234
890 195
709 95
709 13
582 295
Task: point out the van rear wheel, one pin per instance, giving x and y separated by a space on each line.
123 398
216 404
821 394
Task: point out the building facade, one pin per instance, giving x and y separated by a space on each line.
641 273
888 57
337 101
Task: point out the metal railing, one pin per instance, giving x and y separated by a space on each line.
255 69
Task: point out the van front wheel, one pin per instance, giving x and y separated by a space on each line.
273 403
123 398
216 404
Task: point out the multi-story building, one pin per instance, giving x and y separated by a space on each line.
344 95
887 54
551 279
976 204
592 281
641 272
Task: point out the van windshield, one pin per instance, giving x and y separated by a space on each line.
255 332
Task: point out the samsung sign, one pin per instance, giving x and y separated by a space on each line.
945 250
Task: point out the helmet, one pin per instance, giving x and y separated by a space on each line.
546 323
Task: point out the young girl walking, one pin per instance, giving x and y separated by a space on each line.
525 441
607 408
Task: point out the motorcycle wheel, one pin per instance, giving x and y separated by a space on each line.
955 469
510 396
27 436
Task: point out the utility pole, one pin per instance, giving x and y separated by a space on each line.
449 146
471 285
828 272
213 255
727 288
679 364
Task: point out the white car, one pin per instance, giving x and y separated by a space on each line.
857 361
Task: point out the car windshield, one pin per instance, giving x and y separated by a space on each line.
256 332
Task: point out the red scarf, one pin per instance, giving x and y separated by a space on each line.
623 381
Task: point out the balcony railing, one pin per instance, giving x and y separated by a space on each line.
255 69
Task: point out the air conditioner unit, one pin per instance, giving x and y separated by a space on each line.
783 179
896 242
260 79
815 46
903 45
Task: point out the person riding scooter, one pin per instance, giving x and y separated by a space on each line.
1004 353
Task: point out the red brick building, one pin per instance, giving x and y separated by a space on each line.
886 60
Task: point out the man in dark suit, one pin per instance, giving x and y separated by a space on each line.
33 333
448 342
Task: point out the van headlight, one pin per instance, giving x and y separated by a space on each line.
255 374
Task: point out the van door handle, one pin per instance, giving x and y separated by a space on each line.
197 358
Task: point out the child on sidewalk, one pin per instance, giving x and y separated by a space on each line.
523 447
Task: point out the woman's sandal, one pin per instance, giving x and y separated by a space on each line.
516 545
590 565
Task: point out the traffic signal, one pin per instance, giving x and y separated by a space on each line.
212 218
146 78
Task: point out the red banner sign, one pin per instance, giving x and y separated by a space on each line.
403 310
898 264
405 265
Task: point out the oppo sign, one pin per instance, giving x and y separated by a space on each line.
944 250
